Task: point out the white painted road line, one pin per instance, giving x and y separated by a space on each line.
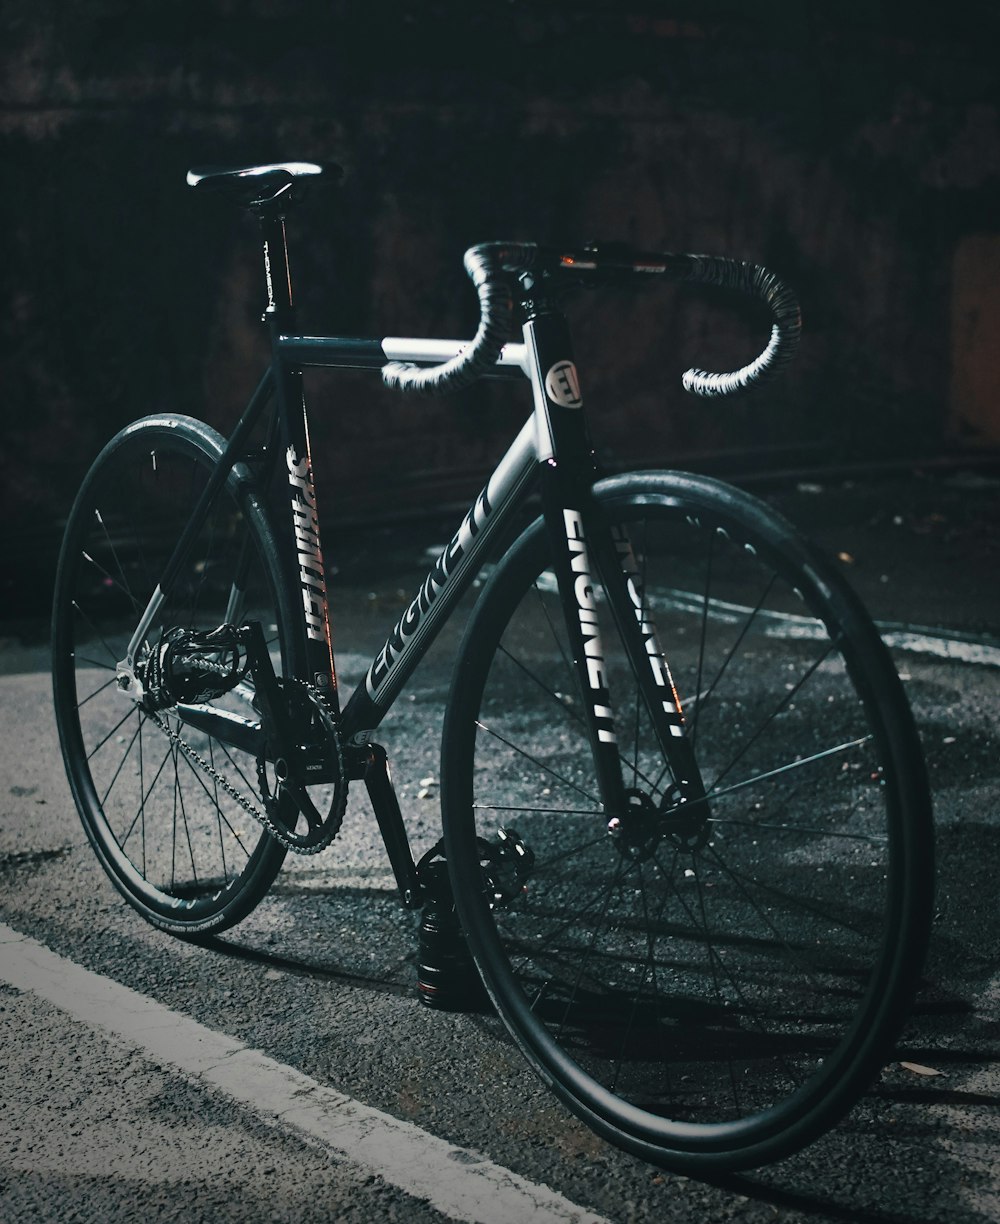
456 1181
916 639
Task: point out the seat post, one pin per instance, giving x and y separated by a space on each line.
280 309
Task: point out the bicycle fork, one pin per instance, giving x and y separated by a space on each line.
594 562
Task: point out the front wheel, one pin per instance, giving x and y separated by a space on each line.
713 998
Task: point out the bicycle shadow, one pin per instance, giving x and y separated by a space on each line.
903 1155
393 974
929 1130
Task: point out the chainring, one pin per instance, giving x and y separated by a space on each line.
287 799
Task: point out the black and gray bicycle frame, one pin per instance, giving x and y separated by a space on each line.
551 449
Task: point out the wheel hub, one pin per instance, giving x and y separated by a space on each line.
643 825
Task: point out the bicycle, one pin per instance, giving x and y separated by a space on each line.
686 821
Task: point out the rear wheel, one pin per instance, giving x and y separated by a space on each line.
170 827
710 995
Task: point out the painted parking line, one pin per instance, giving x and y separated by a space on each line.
458 1182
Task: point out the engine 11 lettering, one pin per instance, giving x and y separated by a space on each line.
593 651
433 584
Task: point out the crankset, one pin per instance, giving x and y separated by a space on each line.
312 757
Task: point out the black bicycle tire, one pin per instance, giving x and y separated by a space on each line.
718 1148
204 445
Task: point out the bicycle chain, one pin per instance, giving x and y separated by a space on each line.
333 823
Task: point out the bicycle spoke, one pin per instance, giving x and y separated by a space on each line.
85 661
114 656
142 801
746 1008
605 901
196 774
552 860
113 581
649 971
144 793
748 621
535 761
252 787
782 705
557 698
124 584
770 827
713 957
218 809
806 907
791 767
97 692
542 943
175 750
149 579
184 820
124 719
121 763
538 811
557 638
764 918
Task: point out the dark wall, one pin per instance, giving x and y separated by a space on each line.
852 156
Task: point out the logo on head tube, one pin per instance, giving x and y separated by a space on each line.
563 386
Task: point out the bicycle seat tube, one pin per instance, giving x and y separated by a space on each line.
310 574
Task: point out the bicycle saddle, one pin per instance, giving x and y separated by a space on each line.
257 187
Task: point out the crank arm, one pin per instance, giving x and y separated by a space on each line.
268 698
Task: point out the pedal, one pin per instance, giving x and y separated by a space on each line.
506 865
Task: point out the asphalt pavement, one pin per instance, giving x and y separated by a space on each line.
99 1123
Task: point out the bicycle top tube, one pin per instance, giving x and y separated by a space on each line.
349 352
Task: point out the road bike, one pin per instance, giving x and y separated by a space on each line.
686 822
